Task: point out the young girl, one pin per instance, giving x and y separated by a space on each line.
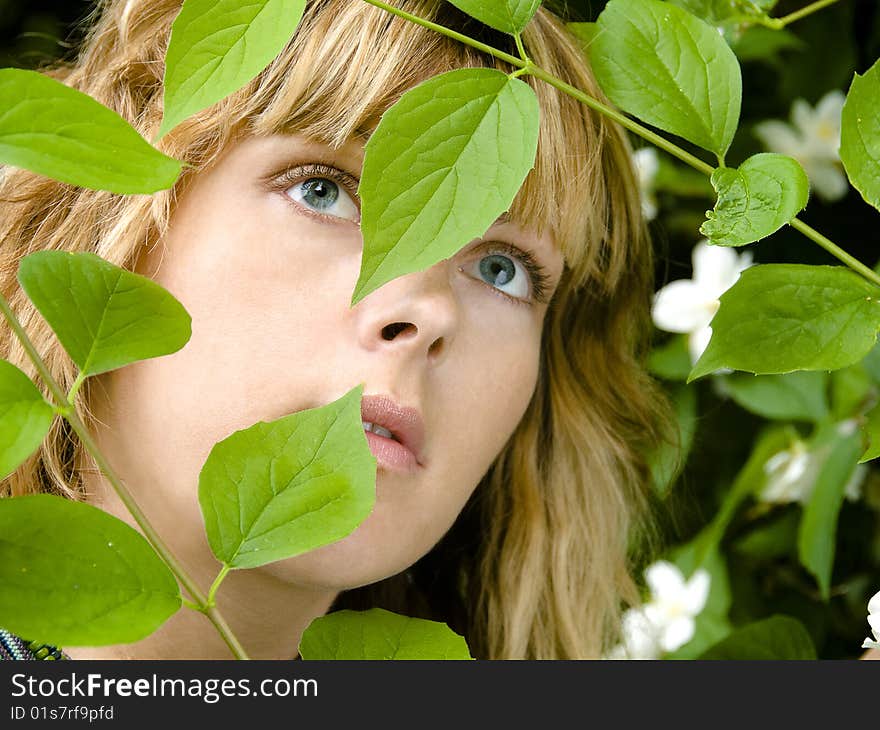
517 363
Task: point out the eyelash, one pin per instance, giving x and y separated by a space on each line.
299 173
540 277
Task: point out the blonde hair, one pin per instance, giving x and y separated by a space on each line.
553 522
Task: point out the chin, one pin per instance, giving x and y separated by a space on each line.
349 563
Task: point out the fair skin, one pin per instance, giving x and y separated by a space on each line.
266 265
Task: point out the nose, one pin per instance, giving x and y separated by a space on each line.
417 312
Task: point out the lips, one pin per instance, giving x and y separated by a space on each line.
404 451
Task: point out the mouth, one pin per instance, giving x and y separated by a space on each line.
394 433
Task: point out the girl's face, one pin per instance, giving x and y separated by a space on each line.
264 251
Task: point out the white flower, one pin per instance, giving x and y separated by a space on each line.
813 139
666 622
639 636
873 622
646 165
791 474
688 305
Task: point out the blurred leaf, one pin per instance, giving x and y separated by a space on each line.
279 489
671 360
711 623
783 317
791 397
818 528
763 44
445 161
25 418
871 433
59 132
871 363
777 637
105 316
726 13
73 575
750 479
775 539
669 69
681 180
756 199
508 16
860 135
218 46
585 33
851 388
668 461
379 634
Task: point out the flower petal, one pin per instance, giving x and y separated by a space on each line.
874 603
665 580
677 633
681 306
830 107
779 137
698 341
716 268
697 591
828 182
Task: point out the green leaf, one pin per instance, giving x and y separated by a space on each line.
61 133
584 33
818 528
726 13
783 317
25 418
750 479
218 46
671 360
380 634
667 462
756 199
279 489
764 44
711 624
778 637
775 539
669 69
798 396
851 391
105 316
871 432
445 161
73 575
860 135
508 16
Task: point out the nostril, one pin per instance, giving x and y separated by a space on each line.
389 332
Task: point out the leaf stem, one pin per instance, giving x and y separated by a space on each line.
779 23
632 125
522 49
623 121
74 389
448 32
212 593
835 251
67 410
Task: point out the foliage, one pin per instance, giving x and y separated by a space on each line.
667 67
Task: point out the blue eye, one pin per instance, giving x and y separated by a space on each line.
324 196
504 273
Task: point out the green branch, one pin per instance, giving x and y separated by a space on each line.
67 410
528 67
779 23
